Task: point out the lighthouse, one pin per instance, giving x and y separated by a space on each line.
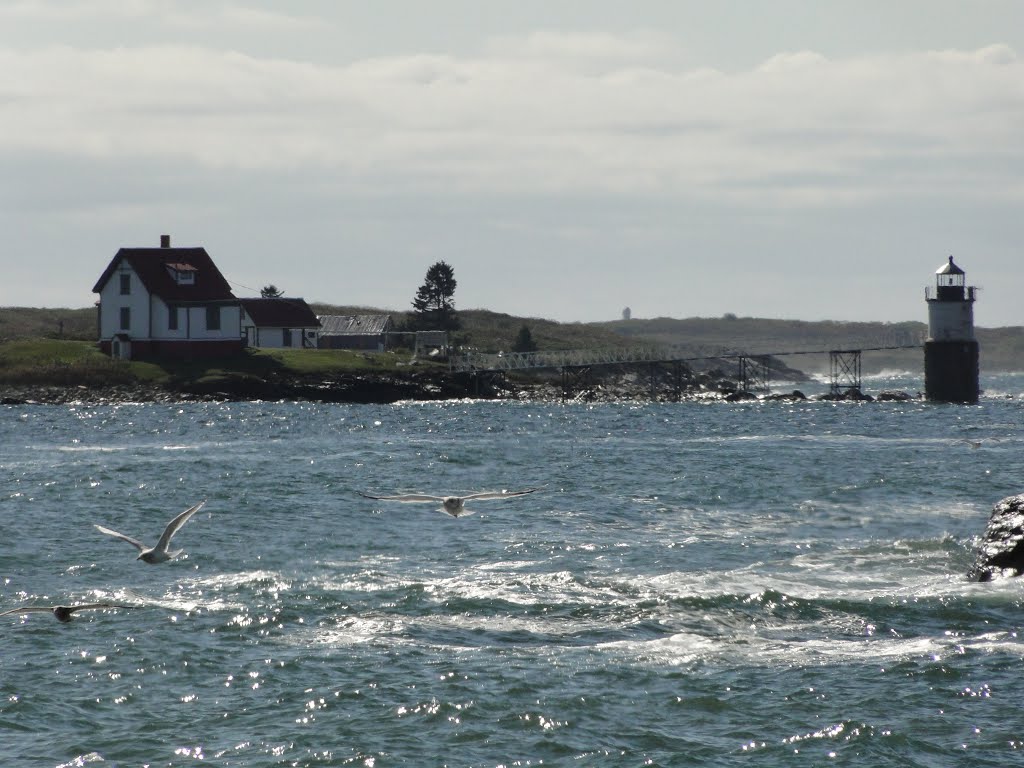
951 351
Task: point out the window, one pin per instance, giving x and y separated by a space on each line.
182 274
126 318
126 284
286 338
172 318
213 318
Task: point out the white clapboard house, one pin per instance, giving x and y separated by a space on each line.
167 302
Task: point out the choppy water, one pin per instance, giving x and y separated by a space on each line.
749 584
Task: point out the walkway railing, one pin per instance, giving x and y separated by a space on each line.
585 358
570 358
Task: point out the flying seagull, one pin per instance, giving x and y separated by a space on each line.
452 505
62 612
160 553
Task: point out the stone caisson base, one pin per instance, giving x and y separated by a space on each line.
951 371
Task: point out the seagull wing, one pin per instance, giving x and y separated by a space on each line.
407 498
175 524
498 494
28 609
134 542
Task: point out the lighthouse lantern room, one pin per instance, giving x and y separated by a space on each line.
951 351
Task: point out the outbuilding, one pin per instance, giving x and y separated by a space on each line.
279 323
368 332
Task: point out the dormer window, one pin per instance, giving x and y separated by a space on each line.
183 274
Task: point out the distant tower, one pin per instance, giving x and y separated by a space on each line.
951 351
627 313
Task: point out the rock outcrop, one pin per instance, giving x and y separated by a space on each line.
612 384
1002 548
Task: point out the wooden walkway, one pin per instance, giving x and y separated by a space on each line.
753 369
472 362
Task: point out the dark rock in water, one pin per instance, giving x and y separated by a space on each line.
852 394
891 395
1002 548
740 396
795 396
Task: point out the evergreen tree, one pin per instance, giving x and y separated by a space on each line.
524 341
434 306
271 292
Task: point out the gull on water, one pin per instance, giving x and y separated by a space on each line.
452 505
62 612
159 553
980 442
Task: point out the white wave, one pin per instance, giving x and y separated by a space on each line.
243 578
752 648
82 760
892 373
87 448
347 631
683 648
559 588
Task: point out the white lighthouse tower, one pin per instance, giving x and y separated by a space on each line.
951 351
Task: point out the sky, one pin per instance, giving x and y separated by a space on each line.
793 159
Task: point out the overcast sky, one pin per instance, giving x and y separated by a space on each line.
569 158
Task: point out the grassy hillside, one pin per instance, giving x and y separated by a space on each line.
28 322
764 336
1002 349
493 332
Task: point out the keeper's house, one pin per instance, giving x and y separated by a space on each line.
167 302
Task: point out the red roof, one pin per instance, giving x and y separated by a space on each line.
151 265
280 313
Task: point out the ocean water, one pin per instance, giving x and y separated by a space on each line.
754 584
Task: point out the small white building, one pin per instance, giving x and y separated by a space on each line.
166 302
279 323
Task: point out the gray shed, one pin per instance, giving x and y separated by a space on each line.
355 331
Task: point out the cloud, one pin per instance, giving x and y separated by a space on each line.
791 63
548 113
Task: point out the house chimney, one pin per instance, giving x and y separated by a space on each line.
165 241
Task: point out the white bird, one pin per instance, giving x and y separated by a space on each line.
159 553
62 612
452 505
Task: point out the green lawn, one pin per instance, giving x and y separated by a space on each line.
57 361
314 361
62 362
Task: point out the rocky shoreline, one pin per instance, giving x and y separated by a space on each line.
342 388
417 385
